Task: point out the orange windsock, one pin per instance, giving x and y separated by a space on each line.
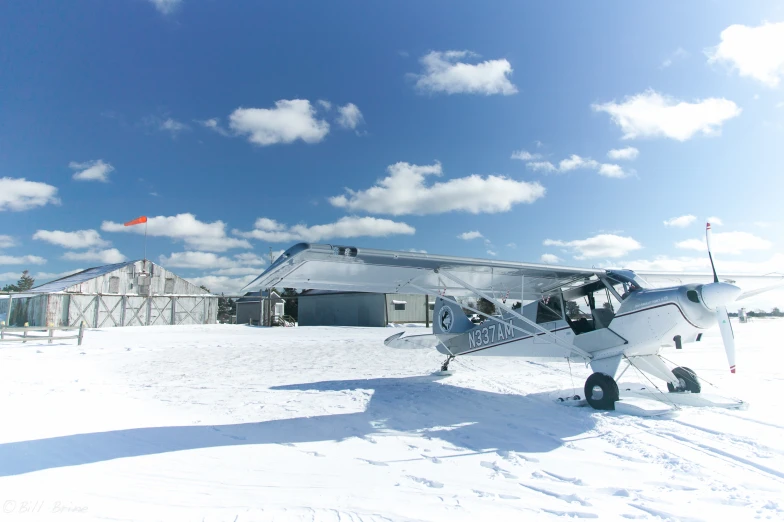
137 221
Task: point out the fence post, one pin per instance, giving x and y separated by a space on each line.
51 333
81 332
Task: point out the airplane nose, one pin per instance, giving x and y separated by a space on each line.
715 295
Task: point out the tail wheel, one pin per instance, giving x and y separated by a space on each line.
601 391
687 381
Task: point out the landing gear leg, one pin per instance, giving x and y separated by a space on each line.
445 367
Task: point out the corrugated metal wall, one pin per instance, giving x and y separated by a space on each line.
410 308
342 310
124 282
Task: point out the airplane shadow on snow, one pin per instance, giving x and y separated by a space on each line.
419 406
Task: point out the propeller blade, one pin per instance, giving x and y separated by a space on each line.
710 255
727 335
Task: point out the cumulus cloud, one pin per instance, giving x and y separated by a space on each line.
524 155
96 170
173 126
404 192
107 257
166 6
755 52
214 125
346 227
681 221
21 260
573 162
40 277
491 253
19 194
470 235
445 72
602 245
77 239
288 121
349 116
207 260
7 241
652 115
223 284
702 264
628 153
713 220
550 259
727 243
196 234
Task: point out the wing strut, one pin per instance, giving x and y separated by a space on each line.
554 338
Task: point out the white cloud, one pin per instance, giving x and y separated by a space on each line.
77 239
417 251
288 121
7 241
755 52
21 260
727 243
223 284
20 194
404 192
166 6
681 221
679 53
650 115
349 116
550 259
574 161
40 277
107 257
208 260
196 234
491 253
173 127
239 271
475 234
524 155
628 153
346 227
443 72
511 245
713 220
324 104
763 224
95 170
544 166
602 245
214 125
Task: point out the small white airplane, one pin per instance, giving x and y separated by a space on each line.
601 317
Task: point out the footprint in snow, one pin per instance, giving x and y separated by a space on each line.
497 469
426 482
374 462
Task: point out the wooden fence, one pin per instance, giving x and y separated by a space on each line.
20 334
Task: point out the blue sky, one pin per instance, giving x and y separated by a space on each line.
493 123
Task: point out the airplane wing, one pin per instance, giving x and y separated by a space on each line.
343 268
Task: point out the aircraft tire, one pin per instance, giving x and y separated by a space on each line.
601 391
688 381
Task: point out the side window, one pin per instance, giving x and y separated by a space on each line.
168 287
548 310
399 305
114 285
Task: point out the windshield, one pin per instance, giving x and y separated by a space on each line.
628 277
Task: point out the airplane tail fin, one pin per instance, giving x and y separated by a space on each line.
449 318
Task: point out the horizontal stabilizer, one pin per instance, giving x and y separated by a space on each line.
412 341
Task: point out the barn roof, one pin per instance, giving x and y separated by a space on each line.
59 285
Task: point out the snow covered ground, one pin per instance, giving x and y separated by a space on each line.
236 423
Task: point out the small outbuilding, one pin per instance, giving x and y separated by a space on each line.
251 309
325 308
134 293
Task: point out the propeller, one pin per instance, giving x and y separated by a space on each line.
716 295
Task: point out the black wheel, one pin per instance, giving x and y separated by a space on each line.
601 391
687 381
